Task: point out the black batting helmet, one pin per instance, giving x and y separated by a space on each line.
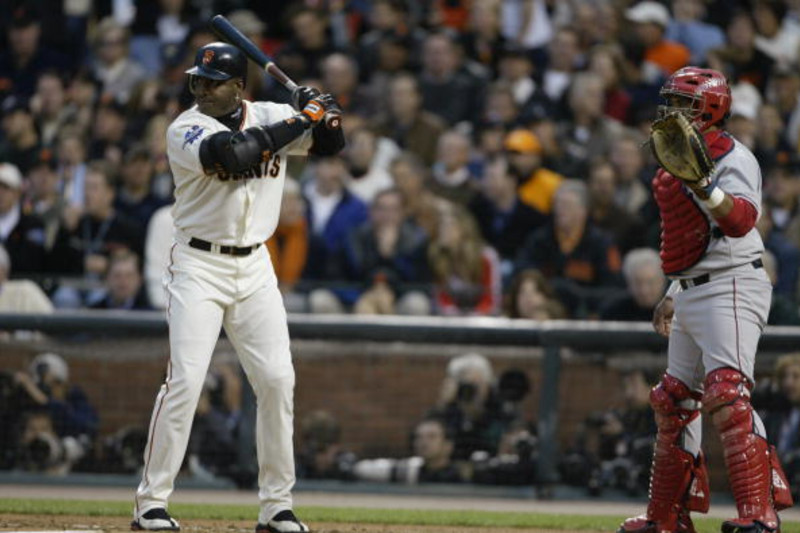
219 61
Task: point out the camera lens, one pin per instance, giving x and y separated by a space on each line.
466 392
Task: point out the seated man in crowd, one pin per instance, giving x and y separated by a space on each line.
645 282
124 286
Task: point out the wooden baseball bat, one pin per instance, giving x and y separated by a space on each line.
230 33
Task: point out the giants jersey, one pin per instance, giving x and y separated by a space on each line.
239 209
738 174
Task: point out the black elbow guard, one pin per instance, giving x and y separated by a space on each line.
228 152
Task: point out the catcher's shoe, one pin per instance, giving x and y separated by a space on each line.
283 522
744 525
155 520
640 524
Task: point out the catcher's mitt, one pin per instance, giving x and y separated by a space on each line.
680 149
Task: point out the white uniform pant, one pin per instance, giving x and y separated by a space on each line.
205 291
717 325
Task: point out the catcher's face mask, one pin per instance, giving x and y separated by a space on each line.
688 105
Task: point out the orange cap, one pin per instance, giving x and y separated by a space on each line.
523 141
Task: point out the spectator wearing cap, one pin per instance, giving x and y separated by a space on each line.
20 233
687 27
135 198
739 58
536 185
503 218
21 144
406 123
124 289
113 66
651 20
25 58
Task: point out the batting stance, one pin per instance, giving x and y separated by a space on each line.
713 314
228 157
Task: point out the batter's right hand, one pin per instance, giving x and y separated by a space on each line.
662 316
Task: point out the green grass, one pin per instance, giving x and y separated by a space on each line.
466 518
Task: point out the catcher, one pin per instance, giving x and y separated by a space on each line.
708 190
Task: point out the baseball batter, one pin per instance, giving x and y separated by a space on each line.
228 158
713 314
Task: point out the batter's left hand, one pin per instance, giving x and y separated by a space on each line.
662 316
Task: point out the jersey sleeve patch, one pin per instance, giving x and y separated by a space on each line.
191 135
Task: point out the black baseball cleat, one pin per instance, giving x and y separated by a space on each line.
283 522
155 520
748 526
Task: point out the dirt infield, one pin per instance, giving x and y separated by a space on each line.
58 524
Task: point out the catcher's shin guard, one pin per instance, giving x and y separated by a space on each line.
678 480
758 483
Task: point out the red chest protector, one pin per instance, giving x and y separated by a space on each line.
685 228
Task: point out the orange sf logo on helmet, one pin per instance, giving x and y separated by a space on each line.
208 57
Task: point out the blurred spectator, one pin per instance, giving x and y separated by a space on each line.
531 296
770 141
571 249
536 185
516 460
45 201
253 28
783 194
135 199
392 34
101 230
108 133
50 107
71 156
739 59
333 212
157 246
787 255
406 123
516 69
471 410
123 284
628 161
155 140
302 56
504 220
340 78
483 40
613 448
785 95
409 176
432 446
783 310
604 61
321 455
645 283
21 143
564 59
26 58
288 246
368 175
651 20
627 229
57 422
777 36
113 66
501 107
452 177
466 272
688 28
589 134
21 234
388 253
22 295
447 91
778 403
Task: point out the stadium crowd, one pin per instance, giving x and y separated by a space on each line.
495 166
495 160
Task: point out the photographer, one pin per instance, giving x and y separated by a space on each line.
613 448
40 449
475 412
322 455
431 462
515 462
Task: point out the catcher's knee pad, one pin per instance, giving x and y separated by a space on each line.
674 404
756 478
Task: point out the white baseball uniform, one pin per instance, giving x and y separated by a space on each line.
209 289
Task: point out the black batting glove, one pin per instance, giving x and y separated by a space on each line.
302 95
329 103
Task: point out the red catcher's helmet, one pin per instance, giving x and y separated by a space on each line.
708 91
